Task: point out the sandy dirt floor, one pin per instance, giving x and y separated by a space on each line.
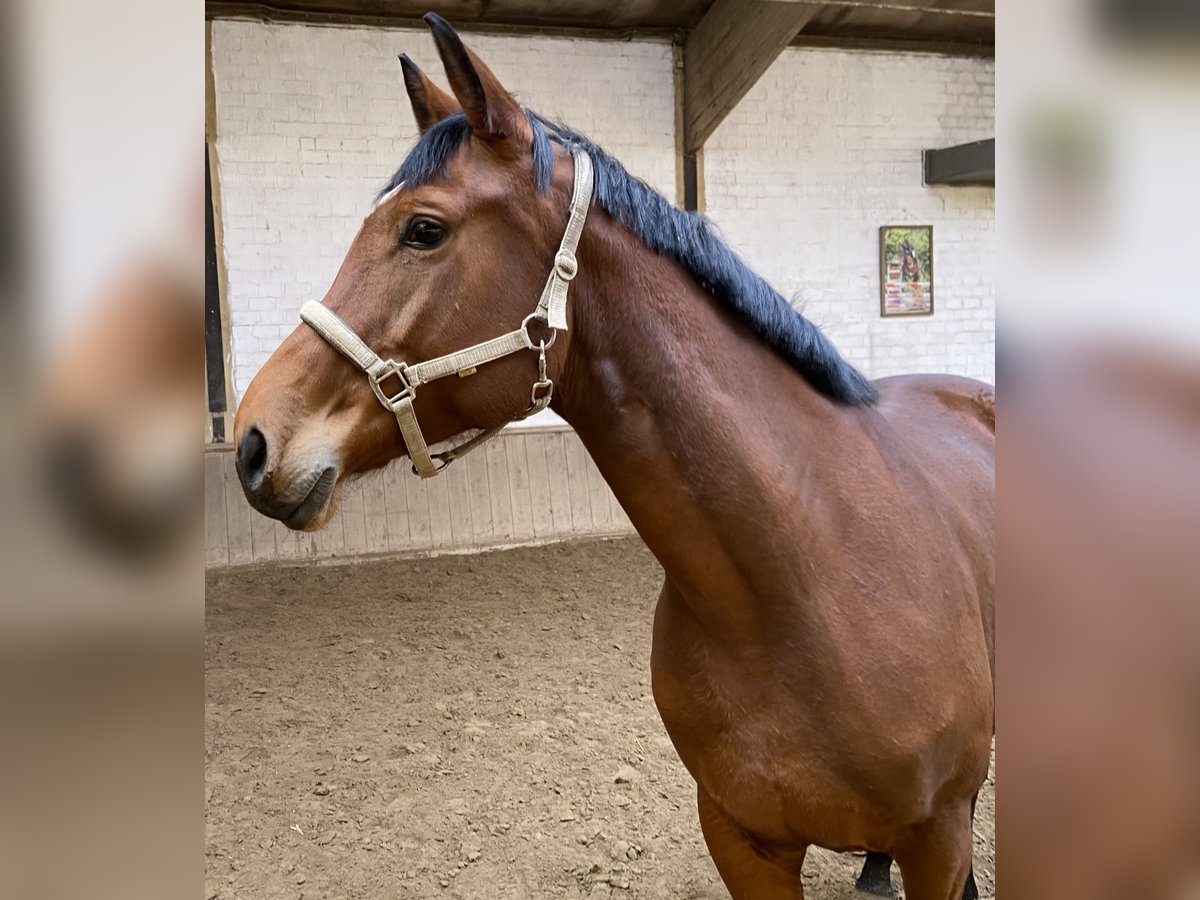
464 726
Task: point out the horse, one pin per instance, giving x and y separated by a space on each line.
910 266
823 654
116 446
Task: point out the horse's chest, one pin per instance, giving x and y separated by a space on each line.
772 756
763 764
766 775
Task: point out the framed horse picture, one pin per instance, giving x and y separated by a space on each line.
906 270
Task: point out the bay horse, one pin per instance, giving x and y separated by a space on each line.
822 647
910 267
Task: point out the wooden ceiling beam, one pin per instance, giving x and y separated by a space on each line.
727 52
272 12
964 164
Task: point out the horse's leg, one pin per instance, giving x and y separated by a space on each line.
935 857
971 890
747 874
876 877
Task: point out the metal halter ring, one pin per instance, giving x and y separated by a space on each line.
529 342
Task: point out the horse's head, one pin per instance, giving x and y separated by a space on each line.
117 434
455 253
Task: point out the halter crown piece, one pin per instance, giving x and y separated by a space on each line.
551 310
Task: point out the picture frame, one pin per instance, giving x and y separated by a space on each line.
906 270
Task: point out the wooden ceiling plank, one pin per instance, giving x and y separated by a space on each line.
946 23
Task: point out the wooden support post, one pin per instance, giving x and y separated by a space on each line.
691 196
677 75
689 167
693 181
218 361
727 52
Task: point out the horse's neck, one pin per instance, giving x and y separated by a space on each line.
693 421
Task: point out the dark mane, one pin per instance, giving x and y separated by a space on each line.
688 238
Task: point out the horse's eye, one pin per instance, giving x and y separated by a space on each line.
424 233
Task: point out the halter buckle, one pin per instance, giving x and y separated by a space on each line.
565 264
400 372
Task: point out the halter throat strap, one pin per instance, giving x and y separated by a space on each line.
395 383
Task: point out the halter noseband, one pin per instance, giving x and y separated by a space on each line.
551 310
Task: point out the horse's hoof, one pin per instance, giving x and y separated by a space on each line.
877 890
874 886
875 879
970 891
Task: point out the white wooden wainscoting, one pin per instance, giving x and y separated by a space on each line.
529 485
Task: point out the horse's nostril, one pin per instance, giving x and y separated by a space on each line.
71 464
252 458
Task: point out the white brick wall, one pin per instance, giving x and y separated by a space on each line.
824 150
312 121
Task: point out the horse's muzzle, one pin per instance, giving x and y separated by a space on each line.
296 503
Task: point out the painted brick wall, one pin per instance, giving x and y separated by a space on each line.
311 121
824 150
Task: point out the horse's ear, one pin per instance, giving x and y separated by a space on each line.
491 110
430 103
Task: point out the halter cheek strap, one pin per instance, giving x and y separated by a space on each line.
396 383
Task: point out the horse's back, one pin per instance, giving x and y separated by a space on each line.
943 397
943 425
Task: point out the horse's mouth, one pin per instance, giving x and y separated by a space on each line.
308 512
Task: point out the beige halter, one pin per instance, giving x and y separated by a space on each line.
551 309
